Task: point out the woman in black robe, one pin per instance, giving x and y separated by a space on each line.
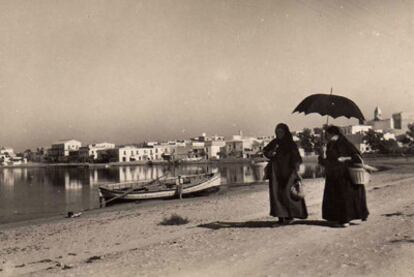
283 166
343 201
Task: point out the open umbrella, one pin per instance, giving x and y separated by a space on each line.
330 105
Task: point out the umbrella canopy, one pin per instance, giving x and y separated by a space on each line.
330 104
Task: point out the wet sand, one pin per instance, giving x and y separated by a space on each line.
228 234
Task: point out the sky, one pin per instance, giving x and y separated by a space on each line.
132 71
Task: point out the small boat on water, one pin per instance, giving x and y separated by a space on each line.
169 187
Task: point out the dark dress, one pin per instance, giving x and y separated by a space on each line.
281 167
343 201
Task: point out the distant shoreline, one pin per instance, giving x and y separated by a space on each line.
312 158
306 159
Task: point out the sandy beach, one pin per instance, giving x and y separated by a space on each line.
228 234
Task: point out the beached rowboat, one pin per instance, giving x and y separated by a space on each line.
162 188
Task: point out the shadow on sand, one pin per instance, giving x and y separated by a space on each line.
263 224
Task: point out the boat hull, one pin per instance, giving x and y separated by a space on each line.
212 183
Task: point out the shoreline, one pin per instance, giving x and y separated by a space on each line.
306 159
233 187
148 163
228 234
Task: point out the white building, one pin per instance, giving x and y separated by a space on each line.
389 136
135 154
177 143
356 135
355 129
162 150
402 120
60 151
359 142
397 123
91 151
213 148
122 154
240 147
8 157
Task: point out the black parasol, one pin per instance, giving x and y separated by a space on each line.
330 105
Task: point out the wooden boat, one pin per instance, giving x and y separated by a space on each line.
161 188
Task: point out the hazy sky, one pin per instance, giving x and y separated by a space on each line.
128 71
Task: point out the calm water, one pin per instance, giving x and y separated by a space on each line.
27 193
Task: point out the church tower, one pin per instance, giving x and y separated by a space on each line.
377 113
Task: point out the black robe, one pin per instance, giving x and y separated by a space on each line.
281 167
343 201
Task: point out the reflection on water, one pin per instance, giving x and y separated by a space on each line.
37 192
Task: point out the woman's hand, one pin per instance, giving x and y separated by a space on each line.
344 159
323 154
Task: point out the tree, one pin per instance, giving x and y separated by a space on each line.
318 139
378 143
390 146
408 140
311 141
410 135
374 139
306 140
410 131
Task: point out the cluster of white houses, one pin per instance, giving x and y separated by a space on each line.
8 157
391 128
202 147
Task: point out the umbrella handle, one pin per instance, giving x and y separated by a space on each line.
327 116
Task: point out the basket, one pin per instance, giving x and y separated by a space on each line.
296 190
359 175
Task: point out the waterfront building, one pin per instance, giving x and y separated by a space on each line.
184 152
90 152
265 139
123 154
193 150
391 128
355 129
240 146
132 153
356 134
163 151
197 144
205 138
8 157
397 123
177 143
7 151
213 148
359 141
151 143
216 138
39 155
60 151
402 120
379 123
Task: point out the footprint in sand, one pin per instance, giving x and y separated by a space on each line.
402 241
93 258
393 214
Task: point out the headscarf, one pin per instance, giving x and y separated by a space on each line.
286 143
335 130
